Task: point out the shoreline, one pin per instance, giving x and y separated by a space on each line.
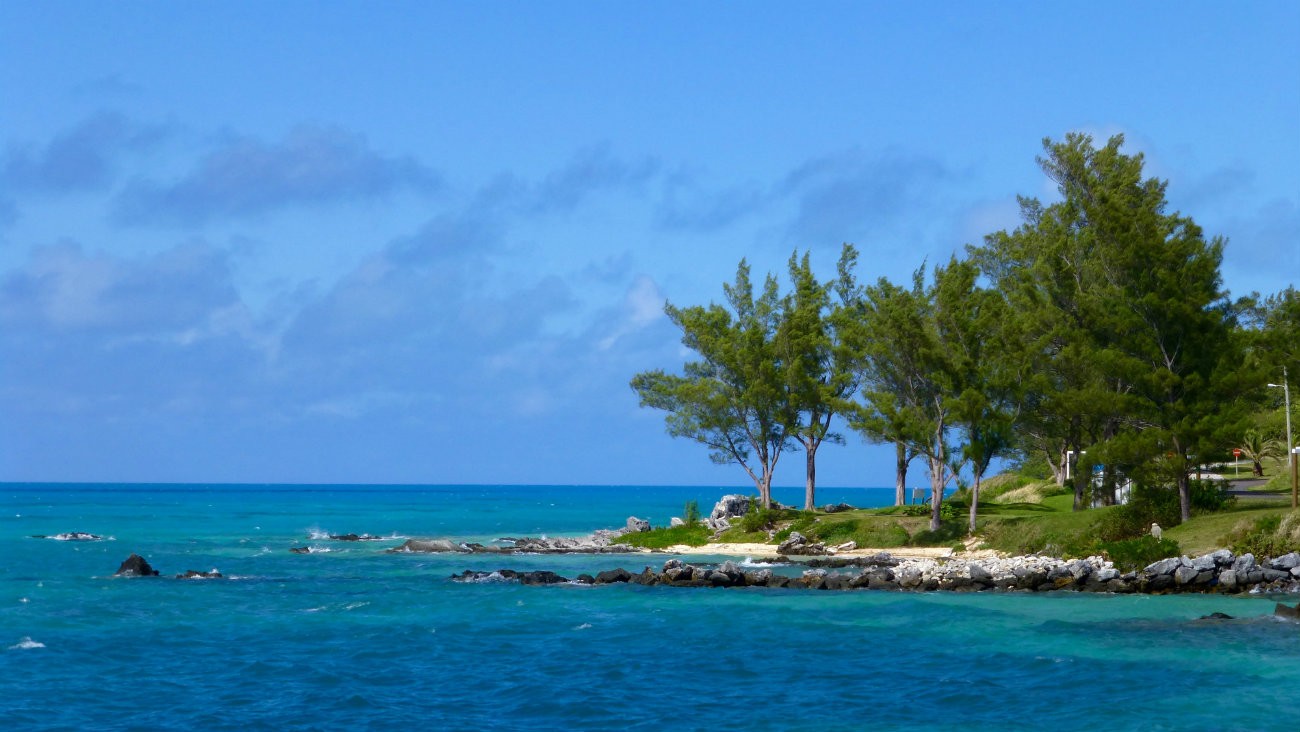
771 551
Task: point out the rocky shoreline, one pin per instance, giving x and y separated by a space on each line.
1218 572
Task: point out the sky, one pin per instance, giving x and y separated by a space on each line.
431 242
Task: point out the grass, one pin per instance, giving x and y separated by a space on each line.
1208 532
697 535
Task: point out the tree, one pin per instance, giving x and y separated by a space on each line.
1257 448
907 375
734 399
816 363
1125 318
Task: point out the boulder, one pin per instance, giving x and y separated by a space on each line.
636 525
1185 575
1244 563
611 576
1286 561
1290 613
1216 616
1223 558
540 577
1228 579
727 508
836 508
980 574
675 521
1164 566
673 564
135 566
792 544
1204 564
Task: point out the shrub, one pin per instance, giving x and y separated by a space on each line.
691 513
1132 554
1269 536
1032 493
1208 496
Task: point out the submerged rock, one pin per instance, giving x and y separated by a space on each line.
71 536
427 546
195 574
135 566
355 537
1290 613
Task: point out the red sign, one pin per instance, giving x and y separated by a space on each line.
1236 452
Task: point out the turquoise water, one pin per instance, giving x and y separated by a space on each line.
357 639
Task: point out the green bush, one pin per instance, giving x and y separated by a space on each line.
758 518
1208 496
1270 536
1132 554
1133 519
691 513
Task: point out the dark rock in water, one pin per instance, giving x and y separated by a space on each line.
610 576
1290 613
538 577
541 577
836 508
355 537
195 574
300 550
586 579
1217 616
71 536
135 566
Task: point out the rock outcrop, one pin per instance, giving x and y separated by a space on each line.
135 566
727 508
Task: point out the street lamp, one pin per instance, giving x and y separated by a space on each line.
1290 446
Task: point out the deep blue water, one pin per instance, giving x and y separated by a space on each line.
357 639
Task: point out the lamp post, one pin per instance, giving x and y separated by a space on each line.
1290 446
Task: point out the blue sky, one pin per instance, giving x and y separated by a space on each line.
431 242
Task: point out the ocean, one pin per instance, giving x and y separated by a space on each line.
348 637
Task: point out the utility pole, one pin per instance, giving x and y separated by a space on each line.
1293 455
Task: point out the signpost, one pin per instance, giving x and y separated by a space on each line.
1236 462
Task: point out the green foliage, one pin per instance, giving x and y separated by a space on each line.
1133 519
948 510
691 513
867 532
1268 536
1208 496
948 532
1132 554
697 535
758 519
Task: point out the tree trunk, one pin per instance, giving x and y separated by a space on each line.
1259 469
974 502
900 474
936 491
1184 495
810 488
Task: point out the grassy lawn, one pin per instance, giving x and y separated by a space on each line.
1207 532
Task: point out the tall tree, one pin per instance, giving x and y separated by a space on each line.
734 399
816 362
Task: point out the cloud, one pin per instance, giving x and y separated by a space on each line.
64 288
687 207
642 305
247 177
840 197
589 171
81 158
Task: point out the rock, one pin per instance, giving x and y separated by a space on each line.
71 536
1203 564
586 579
540 577
195 574
727 508
1290 613
1228 579
1286 561
427 546
1216 616
673 564
135 566
1185 575
836 508
1164 566
979 574
300 550
1223 558
1273 575
611 576
1244 563
1106 574
675 521
355 537
792 543
761 578
847 546
1295 572
636 525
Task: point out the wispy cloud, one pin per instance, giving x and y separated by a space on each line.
81 158
247 177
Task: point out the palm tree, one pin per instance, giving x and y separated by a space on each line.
1257 448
